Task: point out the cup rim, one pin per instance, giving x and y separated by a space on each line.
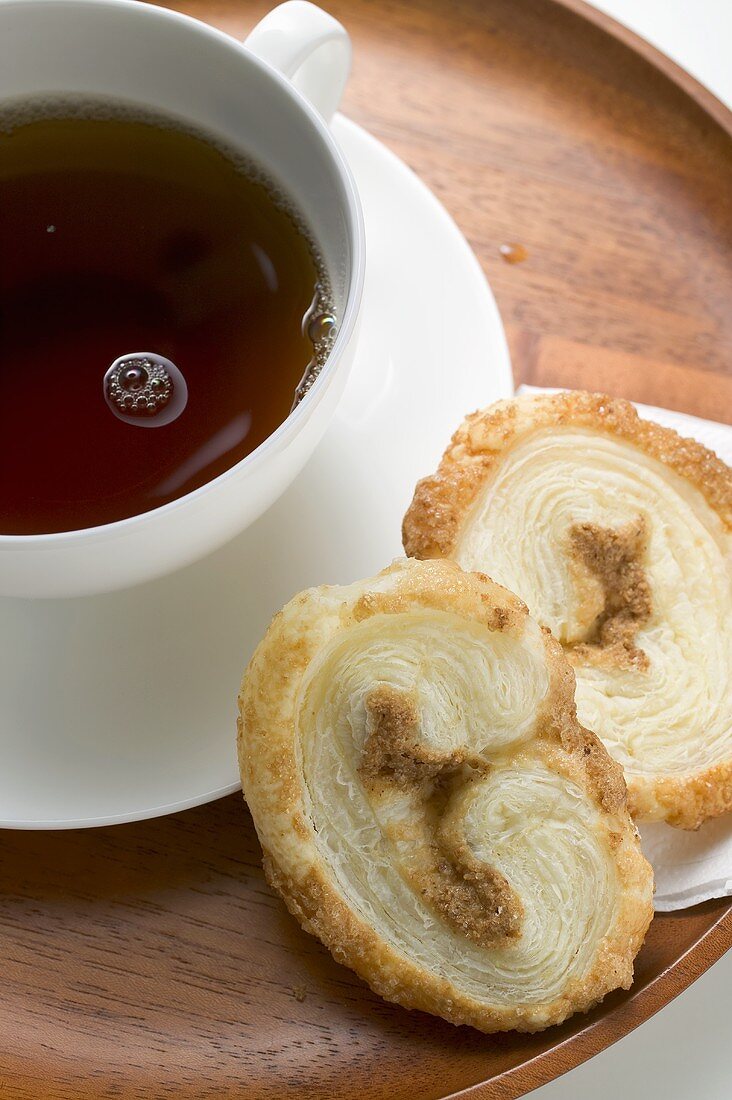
299 416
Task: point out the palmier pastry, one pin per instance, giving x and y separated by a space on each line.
429 806
618 535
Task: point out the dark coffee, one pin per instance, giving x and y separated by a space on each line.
159 305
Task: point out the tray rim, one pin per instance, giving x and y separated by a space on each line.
639 1007
706 99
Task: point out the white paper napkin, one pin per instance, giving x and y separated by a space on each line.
689 867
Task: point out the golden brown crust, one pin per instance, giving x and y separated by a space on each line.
469 895
442 500
443 505
687 802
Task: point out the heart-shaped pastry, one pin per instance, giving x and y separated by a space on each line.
430 807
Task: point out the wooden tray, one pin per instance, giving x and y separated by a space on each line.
151 960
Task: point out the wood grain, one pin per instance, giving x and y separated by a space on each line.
151 960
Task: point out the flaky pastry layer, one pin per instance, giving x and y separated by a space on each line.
429 805
618 535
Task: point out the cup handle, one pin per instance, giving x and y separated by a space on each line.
309 47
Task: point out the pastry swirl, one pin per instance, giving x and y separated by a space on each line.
618 535
429 806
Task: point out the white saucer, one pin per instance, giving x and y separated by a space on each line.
120 707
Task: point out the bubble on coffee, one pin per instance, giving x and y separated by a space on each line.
145 389
319 325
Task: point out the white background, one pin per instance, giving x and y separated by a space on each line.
685 1052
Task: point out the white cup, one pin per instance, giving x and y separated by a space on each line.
271 98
